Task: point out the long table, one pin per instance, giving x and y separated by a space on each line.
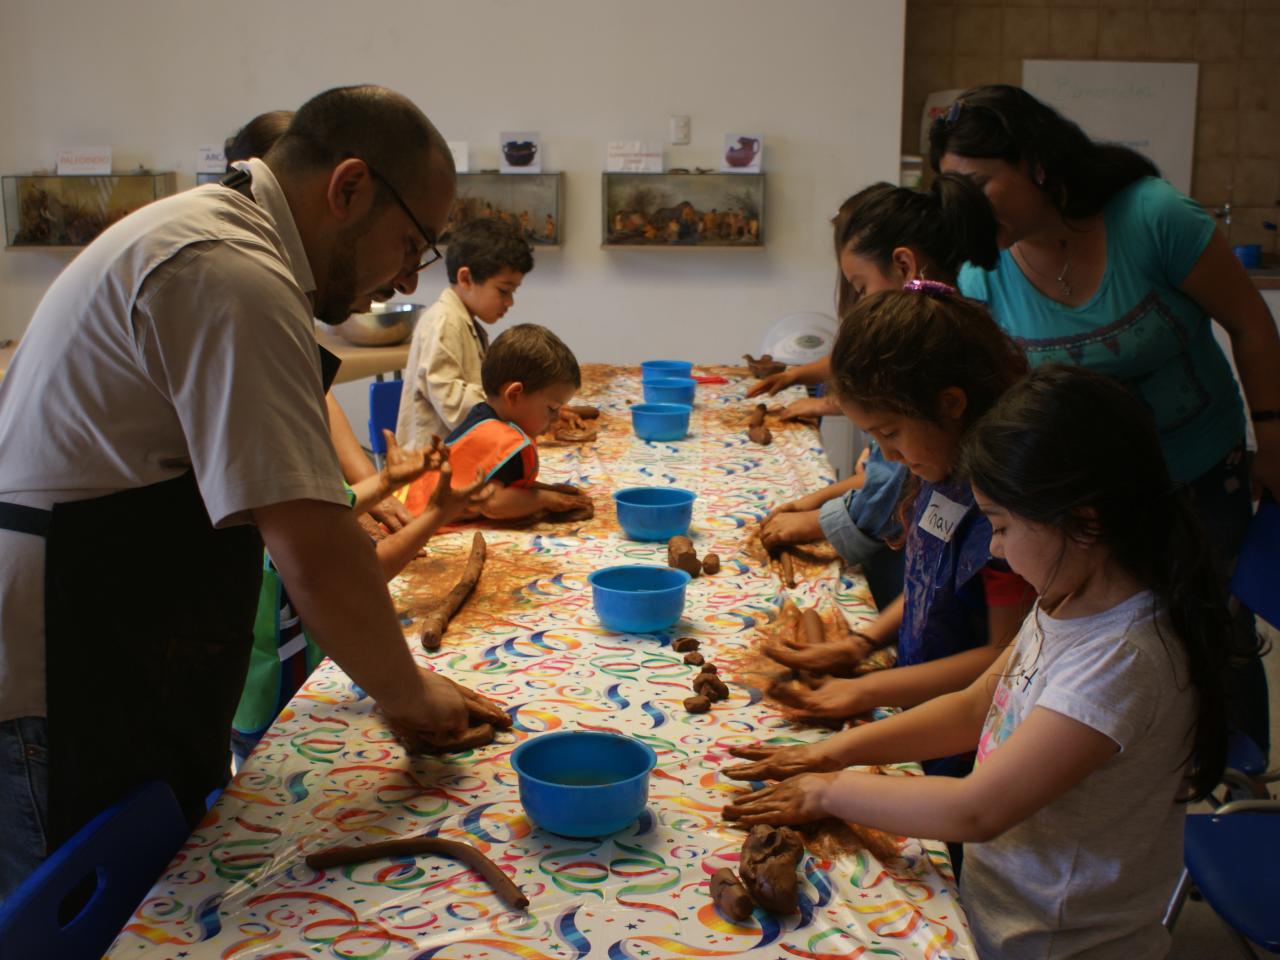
330 773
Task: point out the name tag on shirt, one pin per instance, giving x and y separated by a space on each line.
942 517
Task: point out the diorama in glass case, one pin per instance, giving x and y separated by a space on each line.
531 201
46 210
683 209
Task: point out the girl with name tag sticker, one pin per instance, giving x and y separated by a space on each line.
915 369
1105 716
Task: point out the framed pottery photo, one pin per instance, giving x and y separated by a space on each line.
683 210
530 202
742 153
521 152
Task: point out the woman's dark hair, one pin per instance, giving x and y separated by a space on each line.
946 225
899 349
257 136
1077 451
485 246
1007 123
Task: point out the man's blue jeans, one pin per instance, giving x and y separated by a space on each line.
24 799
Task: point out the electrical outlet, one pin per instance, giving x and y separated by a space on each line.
679 130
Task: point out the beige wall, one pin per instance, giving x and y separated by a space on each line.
157 78
964 43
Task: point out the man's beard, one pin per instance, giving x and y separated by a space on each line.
334 301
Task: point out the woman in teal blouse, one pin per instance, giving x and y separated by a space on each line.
1105 265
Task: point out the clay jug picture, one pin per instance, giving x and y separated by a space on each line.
743 152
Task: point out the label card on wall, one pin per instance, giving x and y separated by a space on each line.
1150 107
210 160
461 156
83 161
634 156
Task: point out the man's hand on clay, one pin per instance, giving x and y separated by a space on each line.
441 714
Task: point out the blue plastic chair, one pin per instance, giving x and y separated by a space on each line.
1229 863
384 408
1254 580
127 847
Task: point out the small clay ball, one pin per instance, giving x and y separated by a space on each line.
698 704
695 659
711 563
684 644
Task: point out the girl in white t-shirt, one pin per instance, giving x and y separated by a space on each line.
1093 728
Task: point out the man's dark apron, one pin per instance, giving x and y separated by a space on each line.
149 616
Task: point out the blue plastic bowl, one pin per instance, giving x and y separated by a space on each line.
664 369
654 513
661 421
638 598
580 783
670 390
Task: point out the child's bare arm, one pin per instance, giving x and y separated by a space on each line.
512 503
447 503
401 465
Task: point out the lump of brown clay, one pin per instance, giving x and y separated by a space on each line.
730 895
711 687
697 704
694 659
584 411
757 432
708 668
766 366
711 563
570 435
681 555
685 645
768 864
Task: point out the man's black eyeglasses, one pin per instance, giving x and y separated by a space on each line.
431 254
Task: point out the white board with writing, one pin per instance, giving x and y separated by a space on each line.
1150 107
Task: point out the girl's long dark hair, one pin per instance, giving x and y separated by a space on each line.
947 224
1077 451
1007 123
899 349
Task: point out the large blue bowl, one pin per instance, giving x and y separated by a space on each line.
661 421
580 783
654 513
638 598
670 390
663 369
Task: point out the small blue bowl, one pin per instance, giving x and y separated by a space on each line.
580 783
638 598
670 390
661 421
665 369
654 513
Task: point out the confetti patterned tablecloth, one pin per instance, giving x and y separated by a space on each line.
328 772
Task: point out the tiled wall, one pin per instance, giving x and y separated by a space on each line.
964 43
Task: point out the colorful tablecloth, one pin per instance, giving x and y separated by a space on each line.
329 772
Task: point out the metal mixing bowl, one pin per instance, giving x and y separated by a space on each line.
385 325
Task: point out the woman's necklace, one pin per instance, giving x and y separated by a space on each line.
1061 279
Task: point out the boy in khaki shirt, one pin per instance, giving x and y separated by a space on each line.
486 261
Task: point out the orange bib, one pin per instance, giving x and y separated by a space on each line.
487 446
